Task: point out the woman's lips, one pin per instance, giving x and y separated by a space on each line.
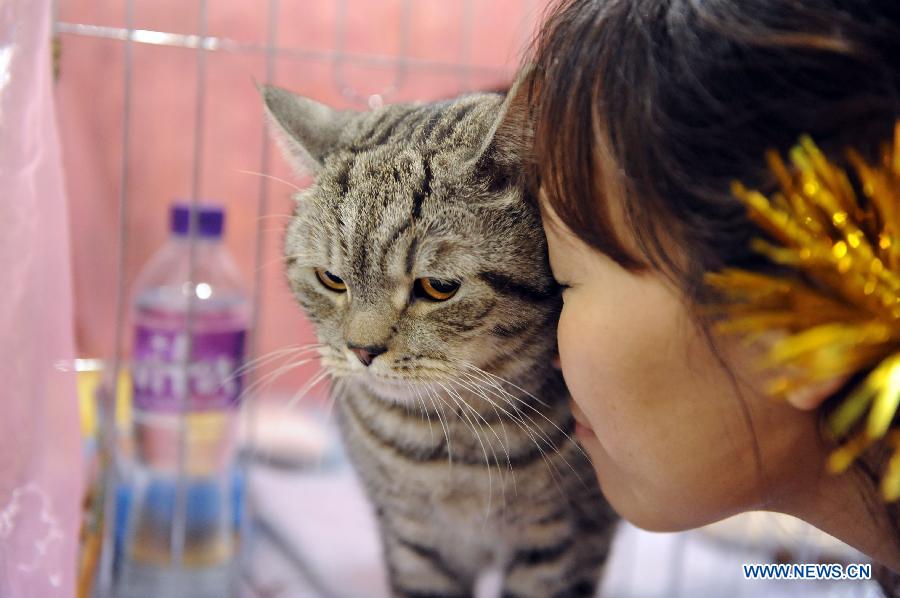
581 426
583 431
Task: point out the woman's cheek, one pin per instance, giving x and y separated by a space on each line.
599 373
576 345
564 343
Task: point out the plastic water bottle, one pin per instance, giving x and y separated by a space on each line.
189 338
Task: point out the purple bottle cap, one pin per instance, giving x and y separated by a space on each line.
210 219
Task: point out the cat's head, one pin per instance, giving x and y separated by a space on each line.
414 252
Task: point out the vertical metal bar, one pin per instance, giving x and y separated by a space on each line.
199 107
248 406
340 40
401 62
54 16
465 46
179 519
109 397
401 65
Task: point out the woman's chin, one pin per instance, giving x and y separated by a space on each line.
648 508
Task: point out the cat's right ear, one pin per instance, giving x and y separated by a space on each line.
508 142
306 130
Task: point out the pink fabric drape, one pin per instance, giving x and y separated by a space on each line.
40 448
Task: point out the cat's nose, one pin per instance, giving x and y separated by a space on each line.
366 354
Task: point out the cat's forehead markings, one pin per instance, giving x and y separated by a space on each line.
411 254
399 296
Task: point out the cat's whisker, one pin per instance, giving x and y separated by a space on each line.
271 377
300 394
337 392
337 367
444 424
281 259
425 413
520 422
273 216
266 381
249 363
293 351
529 432
281 421
497 436
338 389
464 404
286 407
535 435
494 406
461 405
568 436
497 409
269 231
299 255
269 176
545 438
504 398
501 380
505 435
406 408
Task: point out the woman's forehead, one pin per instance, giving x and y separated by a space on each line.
617 224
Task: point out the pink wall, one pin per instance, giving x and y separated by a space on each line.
452 47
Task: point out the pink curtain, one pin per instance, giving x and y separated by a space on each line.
40 448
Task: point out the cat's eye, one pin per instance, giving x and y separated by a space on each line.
435 288
331 281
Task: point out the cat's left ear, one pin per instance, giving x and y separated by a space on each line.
306 130
508 144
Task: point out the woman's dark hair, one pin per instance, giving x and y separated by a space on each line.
672 100
682 97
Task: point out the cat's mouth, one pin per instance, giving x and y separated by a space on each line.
396 388
388 384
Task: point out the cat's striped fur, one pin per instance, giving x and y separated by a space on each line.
459 428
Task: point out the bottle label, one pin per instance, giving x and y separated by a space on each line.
162 375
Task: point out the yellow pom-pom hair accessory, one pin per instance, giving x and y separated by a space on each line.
839 305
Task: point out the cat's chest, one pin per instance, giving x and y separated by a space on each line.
436 460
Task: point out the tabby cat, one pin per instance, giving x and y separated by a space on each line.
424 269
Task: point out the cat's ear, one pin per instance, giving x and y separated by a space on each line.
508 143
306 130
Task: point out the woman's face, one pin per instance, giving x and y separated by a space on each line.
677 439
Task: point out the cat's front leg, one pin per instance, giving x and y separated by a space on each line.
562 559
543 573
417 570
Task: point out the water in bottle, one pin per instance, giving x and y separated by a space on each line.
189 338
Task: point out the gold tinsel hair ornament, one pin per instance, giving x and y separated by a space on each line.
839 304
